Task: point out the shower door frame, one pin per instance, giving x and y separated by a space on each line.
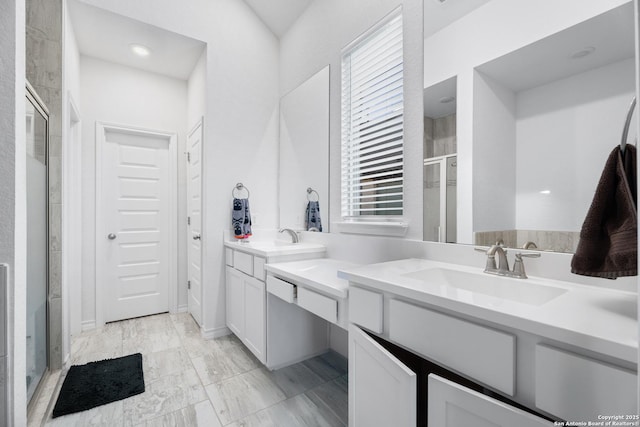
39 105
442 162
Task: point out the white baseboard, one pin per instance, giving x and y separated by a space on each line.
209 334
87 325
182 309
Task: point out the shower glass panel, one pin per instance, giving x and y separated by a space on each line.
37 242
440 214
431 199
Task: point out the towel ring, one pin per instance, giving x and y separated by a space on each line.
310 191
627 123
239 187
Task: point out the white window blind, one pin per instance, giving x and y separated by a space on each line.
372 123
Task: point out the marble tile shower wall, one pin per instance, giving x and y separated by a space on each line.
440 136
557 241
44 72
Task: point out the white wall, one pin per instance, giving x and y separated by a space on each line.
121 95
241 120
494 157
317 39
13 209
196 92
565 132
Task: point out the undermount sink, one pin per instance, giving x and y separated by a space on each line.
517 290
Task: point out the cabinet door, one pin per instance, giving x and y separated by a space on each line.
382 390
254 317
235 301
452 405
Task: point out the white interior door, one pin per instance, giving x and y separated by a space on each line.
134 233
194 223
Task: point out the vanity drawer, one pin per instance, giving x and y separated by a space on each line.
319 305
481 353
258 268
243 262
573 387
283 290
365 308
228 256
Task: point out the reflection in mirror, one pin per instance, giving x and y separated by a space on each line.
440 165
304 152
544 119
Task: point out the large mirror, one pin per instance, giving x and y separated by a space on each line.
539 123
304 155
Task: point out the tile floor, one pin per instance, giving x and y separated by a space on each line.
195 382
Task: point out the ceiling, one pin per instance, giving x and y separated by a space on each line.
279 15
438 14
107 36
610 36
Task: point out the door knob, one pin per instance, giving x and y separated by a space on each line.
111 236
196 237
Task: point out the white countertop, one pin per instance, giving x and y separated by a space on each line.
273 248
320 274
597 319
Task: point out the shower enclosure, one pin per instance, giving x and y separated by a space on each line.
440 194
37 142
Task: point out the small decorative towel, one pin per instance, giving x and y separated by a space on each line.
241 219
608 239
312 217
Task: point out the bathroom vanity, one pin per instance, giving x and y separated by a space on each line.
562 350
246 300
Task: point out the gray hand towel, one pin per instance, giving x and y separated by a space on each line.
312 217
241 219
608 239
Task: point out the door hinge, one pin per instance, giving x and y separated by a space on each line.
188 220
188 284
188 157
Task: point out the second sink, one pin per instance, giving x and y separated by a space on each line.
525 292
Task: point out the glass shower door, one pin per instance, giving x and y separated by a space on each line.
37 242
440 213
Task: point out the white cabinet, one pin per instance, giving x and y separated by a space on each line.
246 311
452 405
574 387
382 390
255 317
235 301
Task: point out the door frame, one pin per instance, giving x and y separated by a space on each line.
172 137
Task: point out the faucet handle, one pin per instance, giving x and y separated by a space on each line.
519 255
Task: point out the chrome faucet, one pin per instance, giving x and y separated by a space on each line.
503 263
294 235
502 268
530 245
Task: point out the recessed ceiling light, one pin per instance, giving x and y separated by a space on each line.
545 192
140 50
581 53
447 99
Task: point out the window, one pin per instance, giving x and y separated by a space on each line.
372 123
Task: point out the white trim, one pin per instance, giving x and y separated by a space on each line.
101 128
373 228
210 334
182 308
88 325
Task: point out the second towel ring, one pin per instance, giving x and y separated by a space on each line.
310 192
239 187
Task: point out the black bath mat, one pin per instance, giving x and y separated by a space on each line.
99 383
